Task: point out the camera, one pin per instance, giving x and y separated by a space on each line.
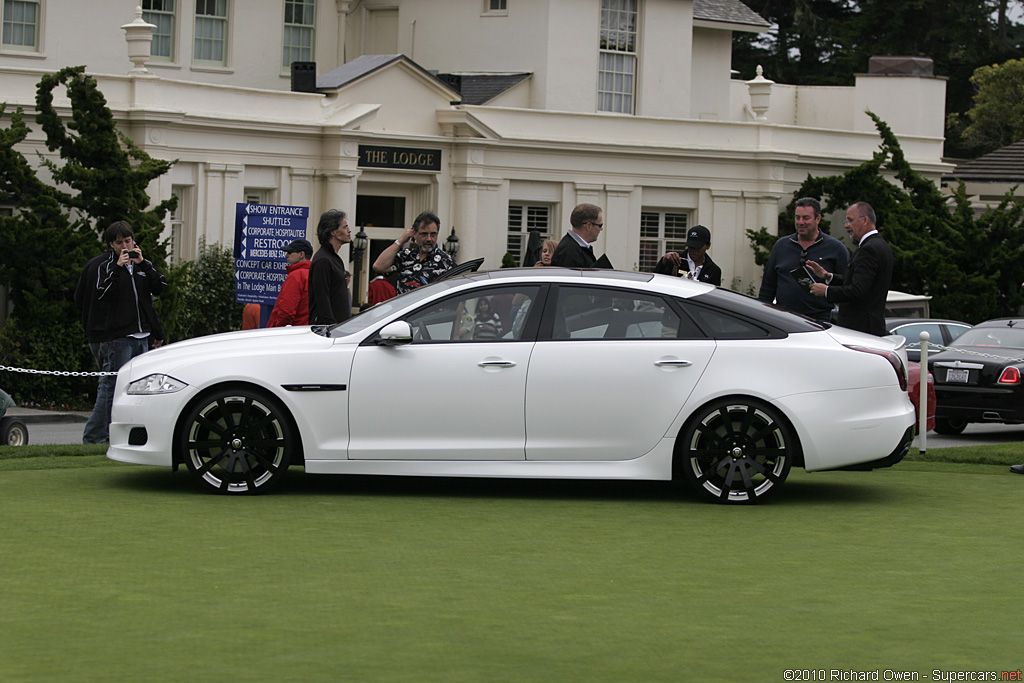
133 253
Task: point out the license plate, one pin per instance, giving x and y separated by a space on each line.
957 376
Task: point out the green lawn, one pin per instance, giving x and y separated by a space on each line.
117 572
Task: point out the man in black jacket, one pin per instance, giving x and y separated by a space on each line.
115 293
329 300
575 250
696 264
862 290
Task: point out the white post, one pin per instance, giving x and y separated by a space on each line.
922 430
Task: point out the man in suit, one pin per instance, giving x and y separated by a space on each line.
575 250
861 291
695 264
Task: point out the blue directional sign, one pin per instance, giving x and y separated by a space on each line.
261 231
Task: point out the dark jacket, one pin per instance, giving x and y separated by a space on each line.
329 301
862 290
116 303
569 254
710 272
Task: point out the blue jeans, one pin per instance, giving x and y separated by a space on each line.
110 356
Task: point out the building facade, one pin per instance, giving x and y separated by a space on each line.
501 115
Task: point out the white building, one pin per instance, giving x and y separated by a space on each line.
501 115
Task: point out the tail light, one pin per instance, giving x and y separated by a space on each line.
894 360
1011 375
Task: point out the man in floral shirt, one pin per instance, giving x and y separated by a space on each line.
420 263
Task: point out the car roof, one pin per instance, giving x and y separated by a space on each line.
891 323
1002 322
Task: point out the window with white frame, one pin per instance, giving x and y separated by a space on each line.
524 219
661 232
161 13
21 25
616 76
211 32
496 7
182 230
299 31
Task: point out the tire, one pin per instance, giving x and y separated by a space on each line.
13 432
949 427
238 441
737 451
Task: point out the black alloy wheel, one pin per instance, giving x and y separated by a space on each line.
737 451
238 441
949 426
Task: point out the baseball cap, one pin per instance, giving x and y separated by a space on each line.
697 237
299 245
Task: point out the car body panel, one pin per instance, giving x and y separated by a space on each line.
536 406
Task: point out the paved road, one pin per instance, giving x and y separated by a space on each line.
977 434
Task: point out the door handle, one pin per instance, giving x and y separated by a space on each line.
497 364
673 363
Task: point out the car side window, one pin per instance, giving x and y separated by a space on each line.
956 330
721 325
912 333
599 313
493 314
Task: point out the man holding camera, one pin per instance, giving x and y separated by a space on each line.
787 280
115 293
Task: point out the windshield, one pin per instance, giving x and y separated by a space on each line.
372 316
1004 337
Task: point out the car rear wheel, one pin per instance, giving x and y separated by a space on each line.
238 441
13 432
949 427
737 451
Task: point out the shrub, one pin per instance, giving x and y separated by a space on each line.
200 296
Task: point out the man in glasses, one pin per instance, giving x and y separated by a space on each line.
862 290
575 250
790 255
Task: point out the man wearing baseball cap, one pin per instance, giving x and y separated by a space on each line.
696 264
292 307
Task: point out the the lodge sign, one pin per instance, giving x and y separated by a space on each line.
404 158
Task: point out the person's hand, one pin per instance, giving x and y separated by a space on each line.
156 343
406 236
674 258
123 259
138 250
818 288
817 269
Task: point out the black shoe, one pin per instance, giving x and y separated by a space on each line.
1017 469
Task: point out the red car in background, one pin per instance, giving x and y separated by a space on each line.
914 388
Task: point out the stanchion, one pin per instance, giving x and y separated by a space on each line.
922 429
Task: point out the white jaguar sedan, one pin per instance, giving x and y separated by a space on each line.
538 372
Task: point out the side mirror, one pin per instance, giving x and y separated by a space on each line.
395 334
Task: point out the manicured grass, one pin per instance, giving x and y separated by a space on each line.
116 572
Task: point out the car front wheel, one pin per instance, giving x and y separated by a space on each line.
237 441
949 427
737 451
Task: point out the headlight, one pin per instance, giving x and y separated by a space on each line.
156 384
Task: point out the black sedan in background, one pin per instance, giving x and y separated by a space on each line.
978 379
